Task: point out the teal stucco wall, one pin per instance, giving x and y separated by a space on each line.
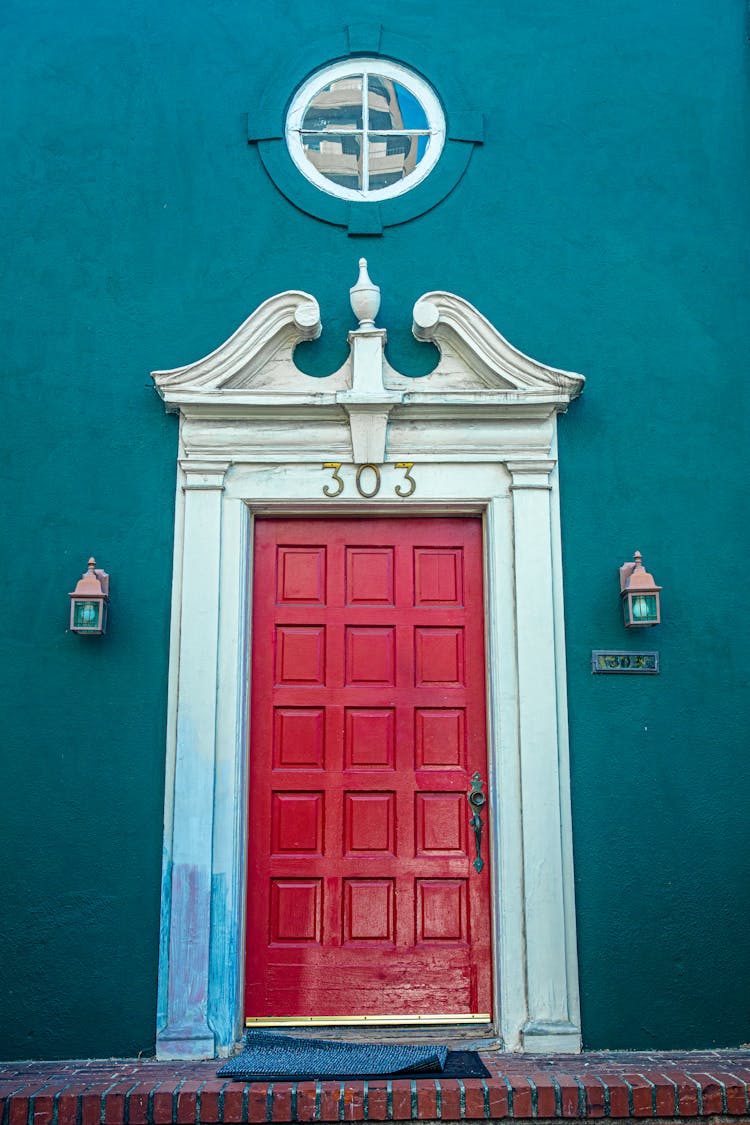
602 227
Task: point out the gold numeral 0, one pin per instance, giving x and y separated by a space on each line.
376 487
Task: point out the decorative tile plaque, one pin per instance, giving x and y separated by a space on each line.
643 663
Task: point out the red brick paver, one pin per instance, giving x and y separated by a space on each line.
708 1085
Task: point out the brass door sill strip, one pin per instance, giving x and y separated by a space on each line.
372 1021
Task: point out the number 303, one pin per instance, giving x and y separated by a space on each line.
368 480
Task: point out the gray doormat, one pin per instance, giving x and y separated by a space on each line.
269 1055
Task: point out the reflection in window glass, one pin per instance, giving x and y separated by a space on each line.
337 157
337 106
380 104
367 135
392 106
391 158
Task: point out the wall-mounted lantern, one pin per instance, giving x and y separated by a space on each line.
639 593
88 602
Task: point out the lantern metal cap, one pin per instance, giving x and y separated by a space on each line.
634 576
93 584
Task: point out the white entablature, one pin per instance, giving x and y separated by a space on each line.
477 437
479 375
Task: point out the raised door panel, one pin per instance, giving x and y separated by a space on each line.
301 575
300 655
369 911
439 656
370 656
299 738
296 914
369 738
440 738
369 576
297 823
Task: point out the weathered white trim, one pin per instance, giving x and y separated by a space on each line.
254 435
252 355
473 351
190 847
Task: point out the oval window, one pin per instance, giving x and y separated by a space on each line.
365 129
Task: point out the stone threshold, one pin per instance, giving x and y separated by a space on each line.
619 1086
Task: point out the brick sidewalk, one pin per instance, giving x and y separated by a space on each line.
620 1086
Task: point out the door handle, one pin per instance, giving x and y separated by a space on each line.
477 799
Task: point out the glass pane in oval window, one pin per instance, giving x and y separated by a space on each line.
391 158
392 106
337 106
337 157
375 103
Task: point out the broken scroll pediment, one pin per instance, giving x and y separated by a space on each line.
257 359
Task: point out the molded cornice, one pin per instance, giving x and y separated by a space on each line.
255 366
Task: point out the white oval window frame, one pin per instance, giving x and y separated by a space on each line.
350 68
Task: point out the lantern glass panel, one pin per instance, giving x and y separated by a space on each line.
86 614
641 609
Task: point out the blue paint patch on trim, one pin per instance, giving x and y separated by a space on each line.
164 924
224 963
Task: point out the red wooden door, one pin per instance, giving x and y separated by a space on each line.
368 722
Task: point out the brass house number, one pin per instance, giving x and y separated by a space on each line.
368 480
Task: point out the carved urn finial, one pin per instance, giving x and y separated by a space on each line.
365 297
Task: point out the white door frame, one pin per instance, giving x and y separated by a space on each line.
255 432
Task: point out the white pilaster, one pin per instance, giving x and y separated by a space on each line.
188 859
230 788
549 1026
504 815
